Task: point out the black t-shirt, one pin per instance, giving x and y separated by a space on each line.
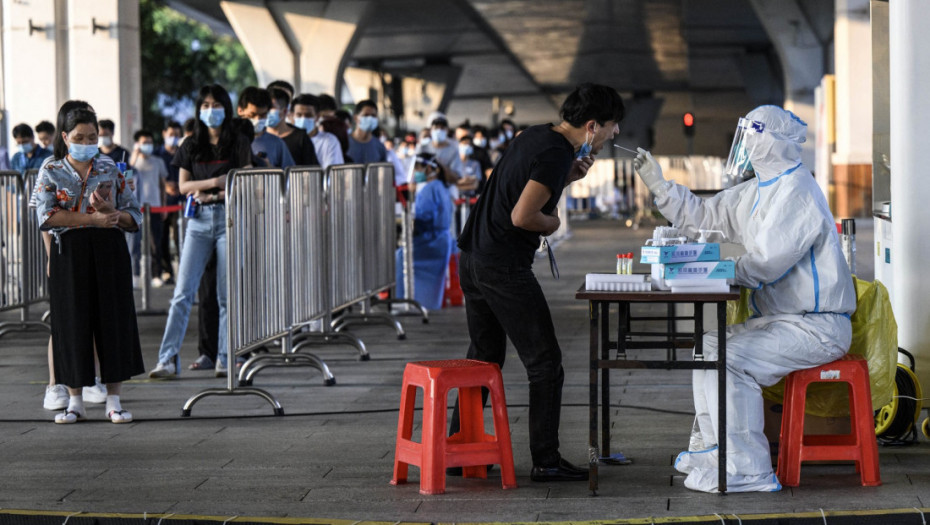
539 154
301 148
118 154
212 165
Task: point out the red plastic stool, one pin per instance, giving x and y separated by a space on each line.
859 446
453 295
471 448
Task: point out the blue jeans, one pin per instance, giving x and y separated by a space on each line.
204 234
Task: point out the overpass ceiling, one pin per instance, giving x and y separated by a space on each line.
515 48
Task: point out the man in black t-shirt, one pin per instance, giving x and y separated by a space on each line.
502 296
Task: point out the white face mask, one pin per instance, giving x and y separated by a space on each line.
105 142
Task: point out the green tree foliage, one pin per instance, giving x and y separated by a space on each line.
179 56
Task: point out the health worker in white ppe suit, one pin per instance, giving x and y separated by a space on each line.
802 293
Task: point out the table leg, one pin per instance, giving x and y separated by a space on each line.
605 375
593 454
722 396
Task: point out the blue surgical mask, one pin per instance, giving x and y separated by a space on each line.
82 152
259 124
146 149
586 147
482 142
26 148
274 118
171 142
368 123
212 117
419 176
304 123
439 135
465 150
509 134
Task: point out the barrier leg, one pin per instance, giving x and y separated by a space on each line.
368 317
145 264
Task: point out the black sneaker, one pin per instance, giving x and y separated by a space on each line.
564 471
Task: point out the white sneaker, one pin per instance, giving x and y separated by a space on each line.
56 397
95 394
163 370
157 283
220 370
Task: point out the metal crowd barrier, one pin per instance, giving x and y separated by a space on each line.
257 278
23 261
375 215
359 207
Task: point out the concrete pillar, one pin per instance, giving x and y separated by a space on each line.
34 79
262 38
909 70
322 34
802 60
852 161
104 62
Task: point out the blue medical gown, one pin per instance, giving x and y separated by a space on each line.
432 245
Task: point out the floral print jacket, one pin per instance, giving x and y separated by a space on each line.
59 187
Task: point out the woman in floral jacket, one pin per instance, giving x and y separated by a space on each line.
82 199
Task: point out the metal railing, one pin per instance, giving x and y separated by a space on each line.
375 215
257 278
23 261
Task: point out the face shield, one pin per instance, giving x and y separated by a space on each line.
746 138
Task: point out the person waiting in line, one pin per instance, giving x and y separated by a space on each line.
204 160
208 309
328 106
445 150
29 155
432 236
503 299
462 129
305 110
171 139
83 200
45 133
108 145
802 295
400 173
189 126
254 104
337 126
472 178
481 153
150 175
296 140
284 85
56 394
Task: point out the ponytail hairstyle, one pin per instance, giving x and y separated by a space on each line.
71 113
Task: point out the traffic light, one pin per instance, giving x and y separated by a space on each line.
687 121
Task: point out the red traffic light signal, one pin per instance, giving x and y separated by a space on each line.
688 121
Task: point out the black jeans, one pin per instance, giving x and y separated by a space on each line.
502 302
208 312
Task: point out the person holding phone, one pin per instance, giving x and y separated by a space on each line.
83 200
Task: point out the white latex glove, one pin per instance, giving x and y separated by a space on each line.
651 173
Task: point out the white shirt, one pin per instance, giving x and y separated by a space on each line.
328 150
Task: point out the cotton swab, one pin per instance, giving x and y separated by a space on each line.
626 149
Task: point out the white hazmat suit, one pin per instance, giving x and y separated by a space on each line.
802 293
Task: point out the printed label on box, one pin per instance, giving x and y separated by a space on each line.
691 252
701 270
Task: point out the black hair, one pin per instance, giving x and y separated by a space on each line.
256 96
21 131
592 102
305 99
228 141
173 124
343 115
508 122
70 114
244 128
45 127
282 84
190 125
479 129
280 96
365 104
107 124
467 137
464 125
327 103
142 133
440 121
